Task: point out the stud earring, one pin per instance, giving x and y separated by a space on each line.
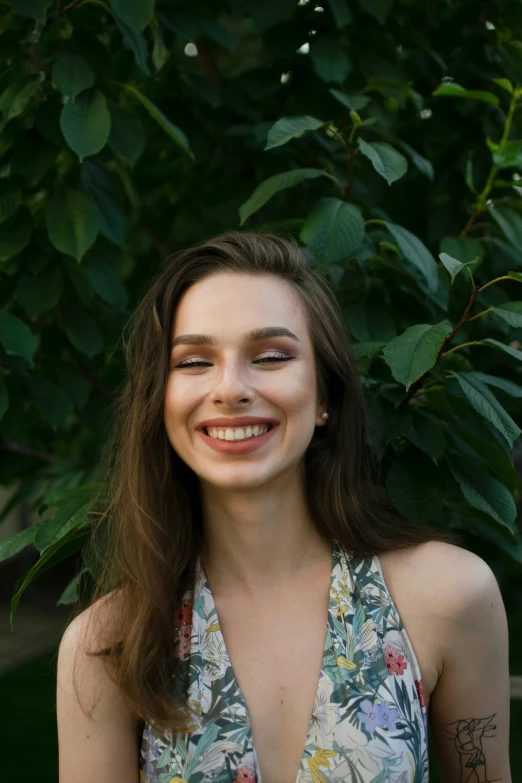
324 416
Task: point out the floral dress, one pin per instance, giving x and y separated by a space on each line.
368 723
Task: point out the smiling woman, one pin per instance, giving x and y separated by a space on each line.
263 613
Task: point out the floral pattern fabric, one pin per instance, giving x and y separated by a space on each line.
368 723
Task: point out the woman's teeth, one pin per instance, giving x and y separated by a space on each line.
238 433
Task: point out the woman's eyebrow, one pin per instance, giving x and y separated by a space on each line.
249 337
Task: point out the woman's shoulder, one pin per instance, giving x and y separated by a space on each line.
445 579
92 626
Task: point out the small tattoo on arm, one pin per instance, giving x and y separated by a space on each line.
467 734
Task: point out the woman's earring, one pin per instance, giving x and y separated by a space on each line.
324 416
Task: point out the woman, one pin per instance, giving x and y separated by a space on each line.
252 560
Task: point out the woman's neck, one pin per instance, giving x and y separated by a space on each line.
259 539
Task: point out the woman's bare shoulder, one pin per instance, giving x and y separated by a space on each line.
449 564
96 728
444 580
92 625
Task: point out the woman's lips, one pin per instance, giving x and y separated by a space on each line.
237 446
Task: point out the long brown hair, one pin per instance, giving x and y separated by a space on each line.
148 537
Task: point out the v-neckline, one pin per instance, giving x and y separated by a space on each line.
204 583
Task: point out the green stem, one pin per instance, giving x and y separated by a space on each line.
484 196
462 345
479 315
334 179
496 280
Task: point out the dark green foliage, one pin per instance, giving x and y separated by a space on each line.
386 136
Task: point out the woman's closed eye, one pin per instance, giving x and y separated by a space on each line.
280 357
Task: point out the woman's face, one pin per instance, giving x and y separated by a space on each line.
241 365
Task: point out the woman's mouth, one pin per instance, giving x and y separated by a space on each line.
238 440
237 433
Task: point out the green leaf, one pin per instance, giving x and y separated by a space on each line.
377 8
86 123
76 496
428 436
487 405
160 53
72 74
127 137
515 276
505 84
218 33
16 337
510 223
34 8
51 530
290 128
493 454
135 43
106 196
331 63
4 398
71 222
492 146
83 331
9 202
386 161
415 351
173 131
77 386
369 349
503 347
52 402
70 594
75 540
454 90
15 234
454 267
340 12
414 487
469 172
38 295
135 13
16 97
265 15
463 249
416 252
47 119
421 163
509 156
107 284
388 86
483 491
333 230
511 312
509 387
353 102
19 541
272 185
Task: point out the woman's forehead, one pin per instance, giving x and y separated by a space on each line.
236 302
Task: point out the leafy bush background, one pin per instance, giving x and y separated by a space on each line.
384 134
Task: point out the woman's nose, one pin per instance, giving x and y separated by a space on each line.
231 385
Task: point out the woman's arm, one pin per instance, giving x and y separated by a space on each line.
103 747
469 707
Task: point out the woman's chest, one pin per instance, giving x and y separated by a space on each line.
276 650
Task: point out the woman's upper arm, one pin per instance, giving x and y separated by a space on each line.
469 707
101 747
